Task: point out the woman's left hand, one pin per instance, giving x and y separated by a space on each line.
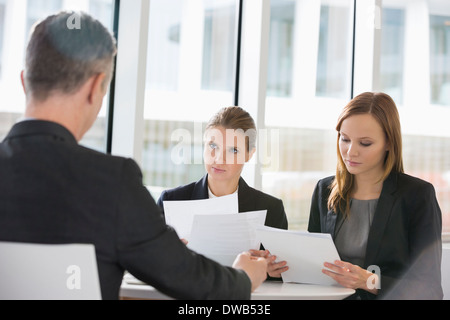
349 275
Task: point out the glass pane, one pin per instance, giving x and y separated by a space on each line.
2 23
440 58
415 71
281 49
16 20
392 52
436 155
310 64
219 47
190 71
334 66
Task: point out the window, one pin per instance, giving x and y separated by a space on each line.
402 48
334 65
16 20
438 147
281 49
440 58
415 70
2 22
190 76
392 52
320 54
310 65
219 47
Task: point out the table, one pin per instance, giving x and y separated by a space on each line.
269 290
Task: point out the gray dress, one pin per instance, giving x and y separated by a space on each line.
351 236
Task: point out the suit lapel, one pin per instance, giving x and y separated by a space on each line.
200 191
381 217
245 197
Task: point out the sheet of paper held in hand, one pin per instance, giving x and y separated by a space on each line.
304 253
222 237
180 214
214 228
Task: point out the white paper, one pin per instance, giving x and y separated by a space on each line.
305 254
180 214
223 237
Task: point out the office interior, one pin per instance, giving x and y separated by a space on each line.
293 64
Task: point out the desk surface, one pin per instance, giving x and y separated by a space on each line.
294 291
269 290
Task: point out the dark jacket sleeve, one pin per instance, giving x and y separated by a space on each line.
321 220
276 216
422 278
152 252
314 216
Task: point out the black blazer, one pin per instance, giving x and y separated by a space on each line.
54 191
404 239
249 199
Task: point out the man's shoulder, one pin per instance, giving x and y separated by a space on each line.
103 162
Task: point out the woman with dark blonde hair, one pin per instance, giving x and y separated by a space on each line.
381 219
230 142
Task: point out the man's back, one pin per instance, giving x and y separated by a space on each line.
54 191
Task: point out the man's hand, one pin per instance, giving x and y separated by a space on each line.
254 267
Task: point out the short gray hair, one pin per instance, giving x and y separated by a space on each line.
61 59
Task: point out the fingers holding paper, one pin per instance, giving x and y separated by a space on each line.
255 267
274 268
348 275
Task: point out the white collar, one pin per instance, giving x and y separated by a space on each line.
212 195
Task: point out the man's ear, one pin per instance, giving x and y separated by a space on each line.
97 90
22 80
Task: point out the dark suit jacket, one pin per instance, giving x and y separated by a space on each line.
404 239
54 191
249 200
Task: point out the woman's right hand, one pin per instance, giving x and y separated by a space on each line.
274 268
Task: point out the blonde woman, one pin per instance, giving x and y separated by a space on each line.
380 218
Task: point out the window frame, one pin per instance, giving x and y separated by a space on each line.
127 101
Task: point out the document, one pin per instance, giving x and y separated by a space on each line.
304 253
180 214
214 228
222 237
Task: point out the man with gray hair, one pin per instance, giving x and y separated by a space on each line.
54 191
